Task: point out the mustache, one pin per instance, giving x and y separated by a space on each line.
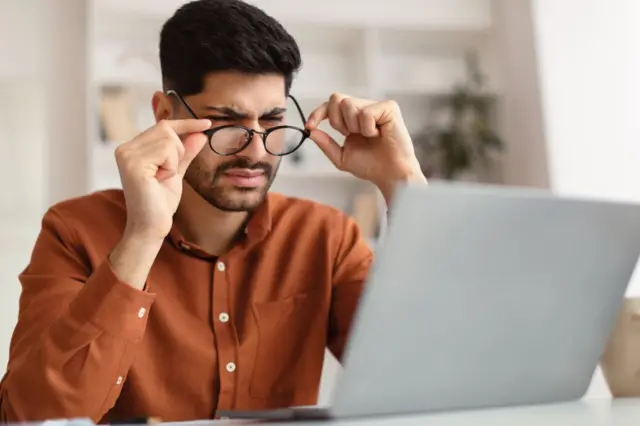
243 163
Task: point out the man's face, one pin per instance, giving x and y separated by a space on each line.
237 182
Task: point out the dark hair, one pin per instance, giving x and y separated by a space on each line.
206 36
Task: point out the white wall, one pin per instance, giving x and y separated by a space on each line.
22 192
589 67
23 135
590 86
43 121
589 63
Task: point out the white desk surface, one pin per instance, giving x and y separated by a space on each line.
587 412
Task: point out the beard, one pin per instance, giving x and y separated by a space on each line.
207 183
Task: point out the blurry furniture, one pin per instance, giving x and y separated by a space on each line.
412 53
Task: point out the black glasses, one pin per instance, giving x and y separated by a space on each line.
230 139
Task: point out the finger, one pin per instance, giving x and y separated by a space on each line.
383 112
328 146
322 112
181 127
193 144
368 127
336 120
166 157
350 115
317 116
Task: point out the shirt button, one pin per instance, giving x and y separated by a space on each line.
223 317
231 367
221 266
141 312
119 380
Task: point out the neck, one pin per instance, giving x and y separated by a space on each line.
200 223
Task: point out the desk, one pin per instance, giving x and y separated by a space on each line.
588 412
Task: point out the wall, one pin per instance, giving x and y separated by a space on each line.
589 67
23 134
23 189
590 87
521 105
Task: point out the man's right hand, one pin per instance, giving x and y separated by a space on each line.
152 166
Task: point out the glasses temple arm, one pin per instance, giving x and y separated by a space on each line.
174 93
304 119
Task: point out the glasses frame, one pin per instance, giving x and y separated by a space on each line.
251 132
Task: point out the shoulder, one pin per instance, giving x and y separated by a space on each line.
91 208
292 211
298 219
318 228
101 214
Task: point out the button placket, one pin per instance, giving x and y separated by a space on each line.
225 330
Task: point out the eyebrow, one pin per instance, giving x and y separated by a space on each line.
236 115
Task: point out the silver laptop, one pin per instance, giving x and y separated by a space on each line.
483 297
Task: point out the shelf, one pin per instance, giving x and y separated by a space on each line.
319 95
446 14
428 40
411 51
314 174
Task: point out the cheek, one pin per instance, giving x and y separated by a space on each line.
207 160
275 163
200 170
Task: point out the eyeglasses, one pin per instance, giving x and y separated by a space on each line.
230 139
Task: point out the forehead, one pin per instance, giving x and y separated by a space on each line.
246 93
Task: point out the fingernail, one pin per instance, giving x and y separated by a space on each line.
309 123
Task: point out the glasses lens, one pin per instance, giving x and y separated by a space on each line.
229 140
284 141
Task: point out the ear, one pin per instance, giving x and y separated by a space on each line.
162 106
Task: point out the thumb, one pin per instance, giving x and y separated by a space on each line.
328 146
193 144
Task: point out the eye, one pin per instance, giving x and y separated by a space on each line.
219 118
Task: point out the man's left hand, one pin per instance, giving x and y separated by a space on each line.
377 145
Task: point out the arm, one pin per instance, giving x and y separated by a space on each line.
353 260
77 331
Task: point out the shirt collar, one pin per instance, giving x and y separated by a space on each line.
256 229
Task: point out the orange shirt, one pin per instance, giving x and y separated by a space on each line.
247 330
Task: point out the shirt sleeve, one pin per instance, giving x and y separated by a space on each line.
352 264
76 334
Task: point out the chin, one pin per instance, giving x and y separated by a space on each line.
239 199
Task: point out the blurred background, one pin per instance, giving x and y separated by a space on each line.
517 92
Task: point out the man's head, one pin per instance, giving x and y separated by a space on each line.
234 64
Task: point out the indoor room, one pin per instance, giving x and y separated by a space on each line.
524 94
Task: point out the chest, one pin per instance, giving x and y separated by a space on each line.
244 321
240 302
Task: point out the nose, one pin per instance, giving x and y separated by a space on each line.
255 150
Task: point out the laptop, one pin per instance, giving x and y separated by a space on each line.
482 296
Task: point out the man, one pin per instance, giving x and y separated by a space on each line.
192 289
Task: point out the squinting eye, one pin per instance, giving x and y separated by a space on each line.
220 118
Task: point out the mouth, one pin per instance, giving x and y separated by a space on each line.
245 178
